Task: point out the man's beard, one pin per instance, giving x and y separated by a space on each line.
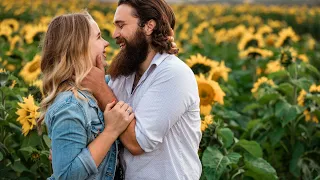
129 59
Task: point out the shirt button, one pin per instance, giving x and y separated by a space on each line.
109 174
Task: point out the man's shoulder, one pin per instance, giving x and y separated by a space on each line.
175 65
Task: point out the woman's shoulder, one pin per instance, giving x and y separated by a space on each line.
69 100
69 105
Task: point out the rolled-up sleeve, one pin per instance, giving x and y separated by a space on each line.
162 105
70 157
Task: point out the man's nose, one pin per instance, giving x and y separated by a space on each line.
115 34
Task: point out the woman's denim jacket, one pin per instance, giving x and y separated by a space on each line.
72 124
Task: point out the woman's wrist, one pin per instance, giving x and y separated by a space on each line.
110 134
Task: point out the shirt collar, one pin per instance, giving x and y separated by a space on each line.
158 59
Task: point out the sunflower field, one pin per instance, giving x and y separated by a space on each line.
257 69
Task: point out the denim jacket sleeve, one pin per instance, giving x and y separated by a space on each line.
71 158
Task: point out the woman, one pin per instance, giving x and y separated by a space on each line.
84 144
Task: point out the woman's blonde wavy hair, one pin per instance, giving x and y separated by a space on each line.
65 57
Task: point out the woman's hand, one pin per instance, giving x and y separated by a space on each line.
117 117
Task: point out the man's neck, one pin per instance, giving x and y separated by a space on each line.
144 66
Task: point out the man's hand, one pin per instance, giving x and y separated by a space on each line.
95 79
95 82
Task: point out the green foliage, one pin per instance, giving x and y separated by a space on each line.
254 136
20 156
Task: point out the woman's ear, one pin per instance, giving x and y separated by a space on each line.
149 27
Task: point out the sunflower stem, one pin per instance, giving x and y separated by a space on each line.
3 104
255 70
294 102
255 79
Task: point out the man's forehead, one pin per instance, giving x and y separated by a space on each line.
123 13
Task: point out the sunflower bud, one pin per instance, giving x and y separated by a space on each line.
4 75
286 58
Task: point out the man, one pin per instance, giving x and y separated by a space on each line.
163 141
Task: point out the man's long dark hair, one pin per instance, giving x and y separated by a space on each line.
159 11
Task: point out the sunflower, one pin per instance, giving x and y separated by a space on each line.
208 119
209 92
25 29
310 117
275 24
274 66
259 71
98 16
219 71
301 98
13 41
201 64
314 88
195 40
287 56
293 52
179 45
34 31
45 20
286 36
237 32
255 52
38 83
12 23
35 156
11 67
19 11
264 30
221 36
303 58
311 43
183 34
260 82
14 82
251 40
108 27
271 39
205 109
31 70
28 113
5 31
199 30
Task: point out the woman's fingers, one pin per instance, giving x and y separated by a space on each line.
129 110
119 104
124 107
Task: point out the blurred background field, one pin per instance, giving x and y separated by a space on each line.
257 68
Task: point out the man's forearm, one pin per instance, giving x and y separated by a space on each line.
129 140
104 96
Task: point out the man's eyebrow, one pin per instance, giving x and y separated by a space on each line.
118 22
